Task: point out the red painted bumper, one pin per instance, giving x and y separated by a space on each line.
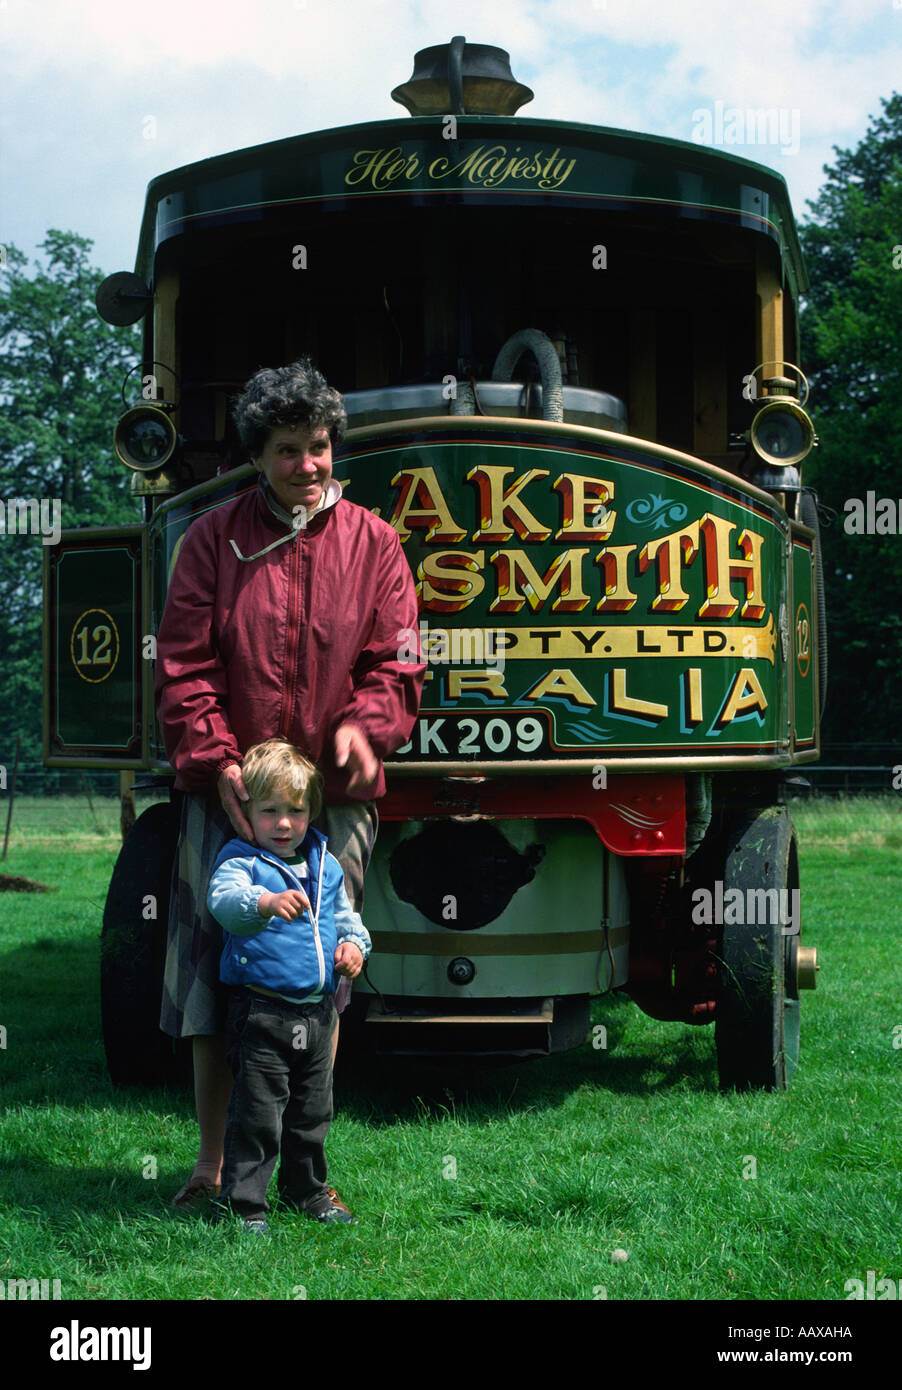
634 814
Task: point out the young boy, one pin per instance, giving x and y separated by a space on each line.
288 928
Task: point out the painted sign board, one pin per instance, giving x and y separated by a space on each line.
582 595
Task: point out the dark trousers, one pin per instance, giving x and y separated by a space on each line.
281 1104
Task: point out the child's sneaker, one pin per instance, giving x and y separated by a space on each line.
219 1214
336 1200
325 1210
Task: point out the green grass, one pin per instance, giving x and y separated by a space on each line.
558 1161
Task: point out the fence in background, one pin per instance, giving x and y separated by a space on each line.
844 767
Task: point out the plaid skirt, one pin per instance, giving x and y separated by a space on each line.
194 1001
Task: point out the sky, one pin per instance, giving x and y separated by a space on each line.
98 97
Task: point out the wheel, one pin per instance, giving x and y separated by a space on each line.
132 952
758 1018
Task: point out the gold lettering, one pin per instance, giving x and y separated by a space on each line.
502 511
432 515
566 568
441 167
488 166
494 163
543 181
745 695
587 642
693 691
721 568
557 178
577 524
449 580
461 683
622 703
362 163
563 685
380 168
618 596
670 551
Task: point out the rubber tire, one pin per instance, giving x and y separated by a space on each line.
132 954
757 1019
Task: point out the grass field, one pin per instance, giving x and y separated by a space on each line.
557 1161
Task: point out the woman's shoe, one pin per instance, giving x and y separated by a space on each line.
194 1194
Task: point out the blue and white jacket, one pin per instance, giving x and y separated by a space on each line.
291 958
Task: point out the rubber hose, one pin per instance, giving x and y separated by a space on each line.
464 402
543 349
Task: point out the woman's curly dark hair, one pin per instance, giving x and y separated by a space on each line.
294 395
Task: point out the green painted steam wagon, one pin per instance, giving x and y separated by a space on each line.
547 336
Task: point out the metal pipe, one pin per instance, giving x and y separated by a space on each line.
542 348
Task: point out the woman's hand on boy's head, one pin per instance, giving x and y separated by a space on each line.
287 905
348 960
233 794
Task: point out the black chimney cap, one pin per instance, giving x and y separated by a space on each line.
460 78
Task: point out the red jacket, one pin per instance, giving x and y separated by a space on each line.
294 642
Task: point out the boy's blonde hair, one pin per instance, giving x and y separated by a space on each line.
277 766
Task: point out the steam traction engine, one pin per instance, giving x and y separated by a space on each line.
547 335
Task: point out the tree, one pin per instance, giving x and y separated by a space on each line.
61 372
851 327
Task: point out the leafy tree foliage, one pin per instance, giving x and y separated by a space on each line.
61 369
61 372
852 347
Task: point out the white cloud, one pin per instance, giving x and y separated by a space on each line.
221 74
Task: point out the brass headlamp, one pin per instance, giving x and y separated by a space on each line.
781 434
145 437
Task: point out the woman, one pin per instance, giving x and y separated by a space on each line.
286 614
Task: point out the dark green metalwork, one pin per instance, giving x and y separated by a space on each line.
94 688
495 160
